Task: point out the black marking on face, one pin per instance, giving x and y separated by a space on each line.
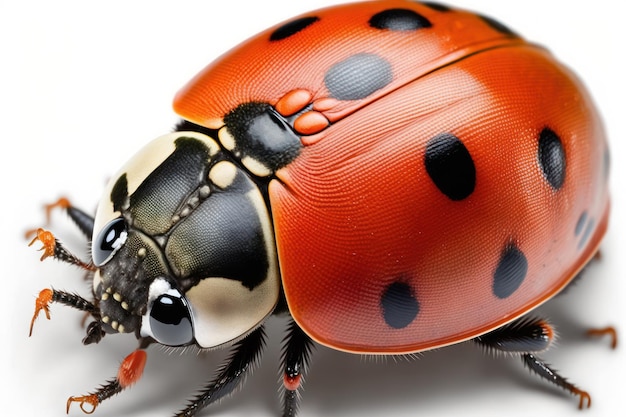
119 193
551 157
358 76
510 272
450 166
289 29
223 237
399 20
399 305
262 134
157 199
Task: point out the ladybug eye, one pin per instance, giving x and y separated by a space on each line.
170 320
109 240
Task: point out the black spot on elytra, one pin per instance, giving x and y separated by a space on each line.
580 224
399 305
496 25
450 166
510 272
436 6
293 27
587 232
358 76
399 20
551 157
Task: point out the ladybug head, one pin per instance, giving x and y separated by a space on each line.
184 246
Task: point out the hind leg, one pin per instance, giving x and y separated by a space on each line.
527 337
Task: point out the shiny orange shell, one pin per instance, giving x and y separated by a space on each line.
461 193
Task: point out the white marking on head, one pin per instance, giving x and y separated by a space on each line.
223 174
226 139
255 166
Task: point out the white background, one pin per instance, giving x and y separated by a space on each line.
85 84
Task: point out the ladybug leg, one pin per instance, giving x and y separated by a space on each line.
605 331
520 336
527 336
130 372
82 220
240 363
542 369
47 296
51 247
295 358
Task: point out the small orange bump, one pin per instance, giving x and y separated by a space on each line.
547 330
62 203
212 123
325 104
293 102
311 139
42 303
310 123
291 383
91 399
131 368
48 242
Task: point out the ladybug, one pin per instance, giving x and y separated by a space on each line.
394 176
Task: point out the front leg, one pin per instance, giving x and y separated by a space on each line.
52 247
82 220
130 372
48 296
242 361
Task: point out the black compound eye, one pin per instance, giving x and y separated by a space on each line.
170 320
109 240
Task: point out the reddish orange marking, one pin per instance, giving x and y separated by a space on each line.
325 104
91 399
48 240
293 102
291 383
131 368
311 122
62 202
605 331
42 303
547 329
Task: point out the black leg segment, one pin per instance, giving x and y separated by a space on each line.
520 336
543 370
526 337
241 362
295 357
